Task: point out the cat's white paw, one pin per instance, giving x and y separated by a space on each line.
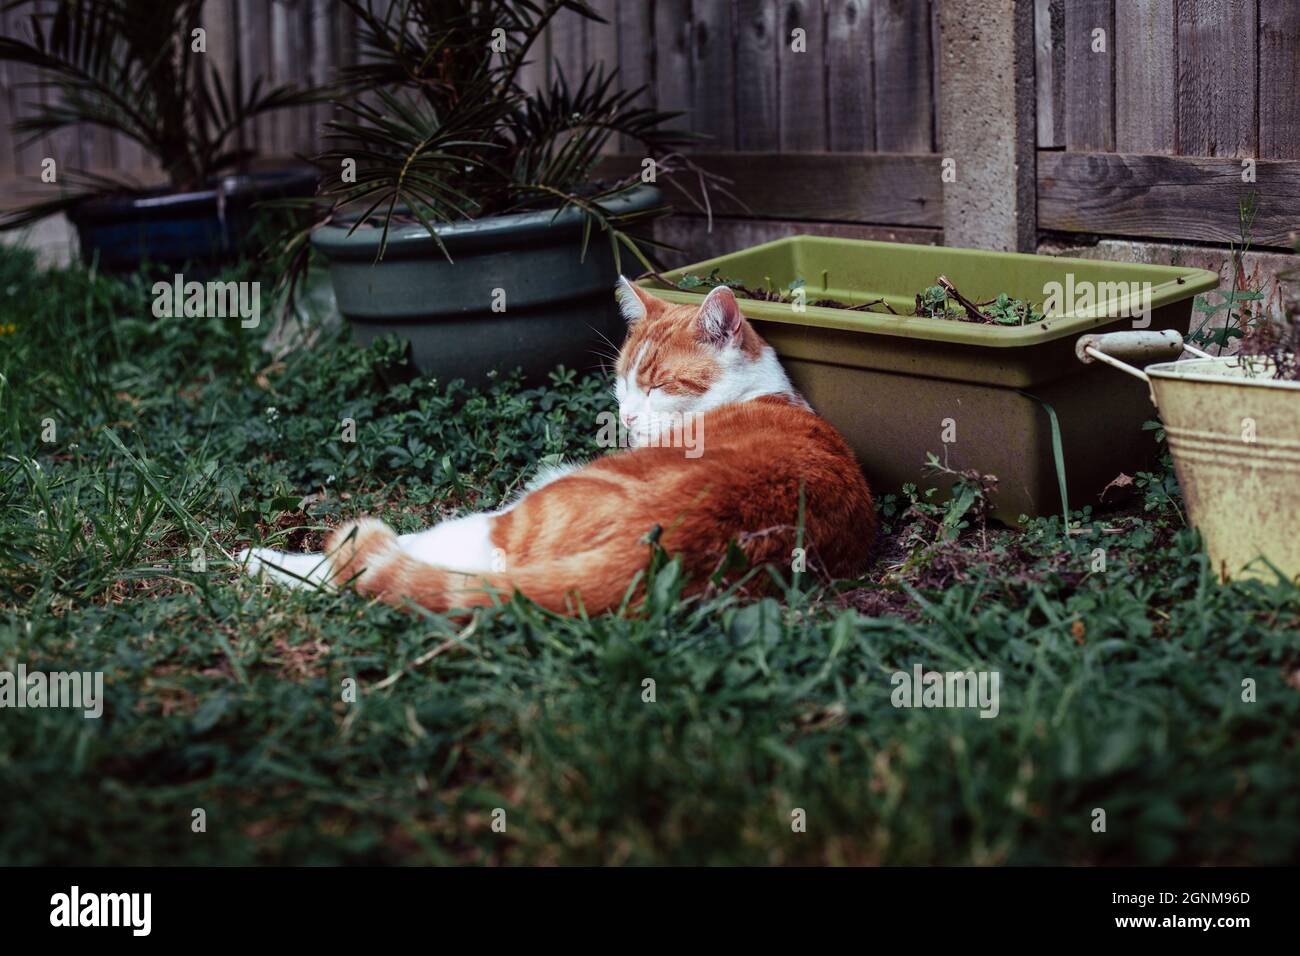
290 570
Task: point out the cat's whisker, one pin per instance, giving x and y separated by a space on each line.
607 363
605 337
615 349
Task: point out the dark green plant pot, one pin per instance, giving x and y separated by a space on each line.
553 305
203 231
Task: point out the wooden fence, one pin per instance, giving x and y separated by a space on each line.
1151 117
276 41
1145 111
1147 138
823 114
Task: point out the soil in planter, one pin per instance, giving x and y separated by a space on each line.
939 301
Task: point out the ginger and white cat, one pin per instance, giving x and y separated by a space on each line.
575 538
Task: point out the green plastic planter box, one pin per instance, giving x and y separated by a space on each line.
977 396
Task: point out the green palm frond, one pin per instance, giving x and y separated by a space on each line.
127 66
439 128
558 135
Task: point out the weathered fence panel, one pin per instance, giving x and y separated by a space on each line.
714 75
850 90
1191 80
1089 75
815 109
757 91
1279 80
1194 198
902 62
1217 79
803 77
1145 65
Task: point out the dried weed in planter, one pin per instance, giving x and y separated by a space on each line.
690 283
1278 342
943 301
939 301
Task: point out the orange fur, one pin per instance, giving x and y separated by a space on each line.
578 541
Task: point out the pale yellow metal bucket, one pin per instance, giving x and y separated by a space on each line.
1234 434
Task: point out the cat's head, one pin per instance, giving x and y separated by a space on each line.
682 360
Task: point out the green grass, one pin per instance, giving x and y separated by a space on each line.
1121 689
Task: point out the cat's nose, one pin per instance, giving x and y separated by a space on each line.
628 419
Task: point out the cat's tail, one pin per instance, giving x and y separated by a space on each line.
367 555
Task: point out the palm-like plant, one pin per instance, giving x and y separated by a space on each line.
439 127
128 66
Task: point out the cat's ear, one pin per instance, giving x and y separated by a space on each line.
719 319
633 301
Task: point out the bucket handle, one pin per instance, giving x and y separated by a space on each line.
1145 346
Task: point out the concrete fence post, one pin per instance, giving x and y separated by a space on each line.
987 123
